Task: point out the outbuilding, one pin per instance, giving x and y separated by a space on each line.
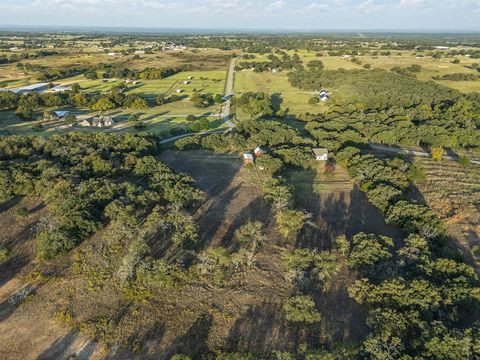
248 157
324 95
321 154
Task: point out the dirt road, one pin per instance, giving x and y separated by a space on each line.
413 152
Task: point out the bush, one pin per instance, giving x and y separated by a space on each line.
301 309
23 212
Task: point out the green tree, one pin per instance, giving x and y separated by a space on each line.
301 310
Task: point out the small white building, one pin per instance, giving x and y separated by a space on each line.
112 54
61 88
258 151
248 157
179 91
346 56
186 82
324 95
321 154
139 52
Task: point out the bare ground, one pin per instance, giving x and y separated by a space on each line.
245 316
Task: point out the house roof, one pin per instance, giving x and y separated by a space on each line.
248 155
61 113
320 151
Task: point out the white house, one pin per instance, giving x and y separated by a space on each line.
324 95
321 154
258 151
112 54
179 91
139 52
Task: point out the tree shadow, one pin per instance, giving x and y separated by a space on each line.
364 217
262 329
343 319
256 210
277 101
7 205
59 348
212 218
194 342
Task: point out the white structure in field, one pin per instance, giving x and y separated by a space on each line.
324 95
321 154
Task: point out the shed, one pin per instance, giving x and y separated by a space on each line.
248 157
321 154
258 151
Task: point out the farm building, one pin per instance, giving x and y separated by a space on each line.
320 154
248 157
61 88
186 82
139 52
179 91
40 87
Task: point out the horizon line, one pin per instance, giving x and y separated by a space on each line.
76 28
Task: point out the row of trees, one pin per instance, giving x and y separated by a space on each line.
110 72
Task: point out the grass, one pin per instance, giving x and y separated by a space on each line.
453 192
294 99
157 118
430 67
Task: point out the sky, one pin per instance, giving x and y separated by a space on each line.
406 15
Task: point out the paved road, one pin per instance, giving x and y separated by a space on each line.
407 151
227 106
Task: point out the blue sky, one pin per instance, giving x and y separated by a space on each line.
445 15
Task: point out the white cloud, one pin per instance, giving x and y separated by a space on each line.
277 5
370 6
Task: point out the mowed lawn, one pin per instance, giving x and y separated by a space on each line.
294 99
157 118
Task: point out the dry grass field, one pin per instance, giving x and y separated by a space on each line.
244 316
453 192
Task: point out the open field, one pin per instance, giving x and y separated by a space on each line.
157 118
202 60
292 98
398 58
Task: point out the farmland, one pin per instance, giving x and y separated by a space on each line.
231 211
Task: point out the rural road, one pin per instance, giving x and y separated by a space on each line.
227 108
406 151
